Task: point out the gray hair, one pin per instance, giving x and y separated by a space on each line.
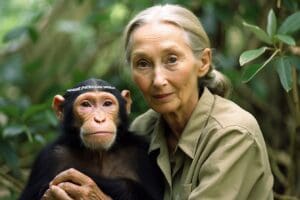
197 39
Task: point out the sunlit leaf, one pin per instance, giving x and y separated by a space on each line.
260 34
13 130
272 23
284 70
29 134
15 33
251 70
286 39
250 55
290 24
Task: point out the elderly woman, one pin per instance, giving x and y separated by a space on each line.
209 148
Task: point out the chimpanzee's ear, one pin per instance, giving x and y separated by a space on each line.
57 106
126 95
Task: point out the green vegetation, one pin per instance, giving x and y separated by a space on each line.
48 45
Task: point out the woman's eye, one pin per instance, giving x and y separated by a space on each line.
142 63
85 104
172 59
107 103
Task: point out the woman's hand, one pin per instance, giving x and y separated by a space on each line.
74 185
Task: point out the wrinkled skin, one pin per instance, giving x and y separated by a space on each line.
73 185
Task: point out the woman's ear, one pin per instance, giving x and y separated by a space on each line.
204 62
126 95
57 106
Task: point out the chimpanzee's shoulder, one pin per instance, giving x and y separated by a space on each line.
135 141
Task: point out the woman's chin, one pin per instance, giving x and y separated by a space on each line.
163 109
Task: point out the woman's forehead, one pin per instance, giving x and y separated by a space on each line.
156 30
165 36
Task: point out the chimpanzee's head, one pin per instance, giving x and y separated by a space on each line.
93 112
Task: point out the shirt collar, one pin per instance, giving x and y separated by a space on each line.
191 133
158 138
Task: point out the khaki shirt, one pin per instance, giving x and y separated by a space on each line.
221 154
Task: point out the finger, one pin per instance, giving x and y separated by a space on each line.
57 193
47 195
71 175
83 192
72 189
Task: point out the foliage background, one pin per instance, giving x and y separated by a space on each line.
48 45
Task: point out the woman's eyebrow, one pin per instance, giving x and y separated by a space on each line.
139 53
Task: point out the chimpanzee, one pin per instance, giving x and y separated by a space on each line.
95 140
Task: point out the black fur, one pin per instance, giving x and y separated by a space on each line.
52 158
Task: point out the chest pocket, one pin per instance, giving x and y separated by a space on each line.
184 192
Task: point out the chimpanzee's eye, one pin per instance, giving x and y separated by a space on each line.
85 104
107 103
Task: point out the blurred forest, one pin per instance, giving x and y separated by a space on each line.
48 45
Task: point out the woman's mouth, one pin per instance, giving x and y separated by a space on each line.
162 96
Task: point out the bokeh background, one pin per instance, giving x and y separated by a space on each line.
48 45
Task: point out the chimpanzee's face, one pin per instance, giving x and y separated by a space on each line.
96 114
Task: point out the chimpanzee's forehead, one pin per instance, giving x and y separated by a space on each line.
91 87
96 95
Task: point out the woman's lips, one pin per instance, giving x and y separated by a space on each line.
162 96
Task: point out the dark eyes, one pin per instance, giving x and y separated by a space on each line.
86 104
107 103
172 59
142 63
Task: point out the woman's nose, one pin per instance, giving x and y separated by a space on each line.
159 77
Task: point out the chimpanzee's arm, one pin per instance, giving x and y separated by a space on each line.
123 189
150 185
43 171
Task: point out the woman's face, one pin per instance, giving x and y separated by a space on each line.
165 68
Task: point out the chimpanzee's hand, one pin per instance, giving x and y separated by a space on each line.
73 185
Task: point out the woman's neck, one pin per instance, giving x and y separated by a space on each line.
176 122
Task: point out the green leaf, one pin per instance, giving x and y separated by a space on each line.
284 70
28 133
286 39
13 130
15 33
290 24
8 153
34 109
20 31
272 23
252 70
260 34
33 34
250 55
295 61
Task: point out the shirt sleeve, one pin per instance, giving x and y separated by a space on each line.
232 167
144 123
